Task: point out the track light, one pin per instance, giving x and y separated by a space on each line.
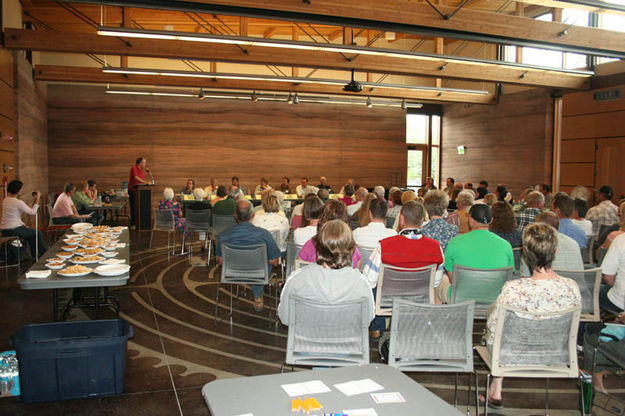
201 94
369 102
254 96
404 104
296 99
290 99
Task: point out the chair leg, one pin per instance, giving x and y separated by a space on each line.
456 391
282 368
486 395
469 396
216 303
477 395
152 236
547 399
581 394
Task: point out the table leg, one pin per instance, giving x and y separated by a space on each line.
97 302
55 305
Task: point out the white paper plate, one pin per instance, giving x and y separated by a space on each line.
113 261
50 266
90 247
96 260
81 227
64 255
71 242
60 273
110 254
112 269
110 248
99 251
69 248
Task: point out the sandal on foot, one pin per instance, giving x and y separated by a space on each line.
492 403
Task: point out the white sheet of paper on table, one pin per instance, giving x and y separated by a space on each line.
308 387
120 245
361 412
390 397
351 388
247 414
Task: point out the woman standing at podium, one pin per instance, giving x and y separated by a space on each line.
137 177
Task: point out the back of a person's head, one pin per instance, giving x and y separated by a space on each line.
606 191
548 217
581 206
564 203
348 189
465 198
324 195
313 208
484 184
501 192
264 194
504 220
279 195
379 191
490 199
234 192
81 186
361 193
580 192
335 245
535 199
333 210
168 194
413 213
271 203
621 213
244 210
198 193
436 203
221 191
396 197
378 208
14 186
481 192
540 243
69 187
407 196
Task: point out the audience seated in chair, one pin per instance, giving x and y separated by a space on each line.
271 219
460 217
360 195
437 228
361 216
543 291
579 216
504 224
563 206
605 212
348 192
369 235
227 205
12 225
168 203
313 207
612 292
479 249
200 203
82 201
409 249
246 234
64 211
331 280
535 203
568 256
333 210
298 210
615 230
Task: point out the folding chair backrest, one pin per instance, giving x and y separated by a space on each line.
601 255
221 223
244 264
292 250
482 286
197 220
275 234
49 208
163 219
390 221
431 337
330 335
412 284
365 253
517 252
535 343
589 282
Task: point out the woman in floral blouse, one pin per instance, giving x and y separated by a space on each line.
543 291
167 203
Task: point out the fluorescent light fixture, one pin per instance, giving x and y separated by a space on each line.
292 80
163 94
346 49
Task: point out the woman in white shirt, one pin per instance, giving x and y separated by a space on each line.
272 220
313 207
11 225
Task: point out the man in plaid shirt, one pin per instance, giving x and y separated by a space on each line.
535 203
605 212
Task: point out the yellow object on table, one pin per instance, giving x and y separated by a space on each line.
309 404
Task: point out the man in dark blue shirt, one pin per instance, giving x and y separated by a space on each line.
247 234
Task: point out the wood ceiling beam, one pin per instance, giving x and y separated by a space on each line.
414 16
95 75
52 41
269 32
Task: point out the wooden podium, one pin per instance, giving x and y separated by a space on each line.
143 207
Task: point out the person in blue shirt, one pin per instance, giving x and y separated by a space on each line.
247 234
563 206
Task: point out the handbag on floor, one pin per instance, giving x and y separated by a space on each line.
607 405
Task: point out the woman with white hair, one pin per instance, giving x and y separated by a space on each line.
271 219
460 218
168 204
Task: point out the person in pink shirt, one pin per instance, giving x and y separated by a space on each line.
64 211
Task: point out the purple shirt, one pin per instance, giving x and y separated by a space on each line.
309 253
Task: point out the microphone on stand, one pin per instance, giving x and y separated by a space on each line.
150 173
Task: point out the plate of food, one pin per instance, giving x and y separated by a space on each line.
69 248
110 253
74 271
112 269
110 247
71 242
101 229
88 251
64 255
81 227
113 261
55 266
92 243
86 259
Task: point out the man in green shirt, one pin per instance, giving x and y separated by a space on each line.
228 205
82 202
479 248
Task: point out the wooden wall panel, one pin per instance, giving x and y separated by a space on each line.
608 124
8 168
7 106
506 143
575 151
96 135
611 169
583 103
573 174
32 143
6 67
7 133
